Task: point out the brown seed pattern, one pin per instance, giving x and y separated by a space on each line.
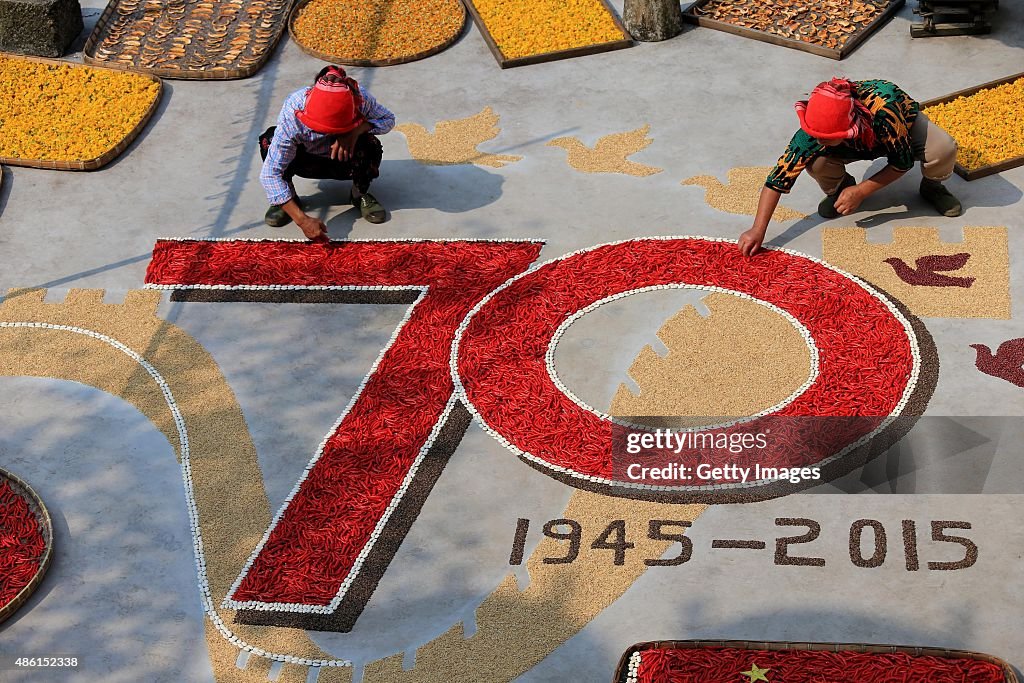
225 38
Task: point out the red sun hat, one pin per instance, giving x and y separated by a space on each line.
330 108
829 112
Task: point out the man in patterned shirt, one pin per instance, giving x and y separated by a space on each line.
327 131
846 121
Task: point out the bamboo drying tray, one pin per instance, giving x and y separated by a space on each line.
35 504
244 32
110 154
988 169
371 62
854 41
506 63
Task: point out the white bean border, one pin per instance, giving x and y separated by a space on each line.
193 509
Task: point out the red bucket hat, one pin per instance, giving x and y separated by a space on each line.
331 107
833 113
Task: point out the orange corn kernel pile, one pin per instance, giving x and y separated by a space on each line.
987 125
378 29
529 27
67 112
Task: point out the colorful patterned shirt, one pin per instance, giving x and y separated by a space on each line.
291 133
893 112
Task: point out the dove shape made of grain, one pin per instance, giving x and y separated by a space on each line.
455 141
608 155
1006 363
928 270
741 193
741 359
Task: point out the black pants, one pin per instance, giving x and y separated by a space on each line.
361 168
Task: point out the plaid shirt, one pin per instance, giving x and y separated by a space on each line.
291 133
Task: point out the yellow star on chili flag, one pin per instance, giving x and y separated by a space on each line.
756 674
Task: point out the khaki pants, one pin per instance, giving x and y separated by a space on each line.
932 146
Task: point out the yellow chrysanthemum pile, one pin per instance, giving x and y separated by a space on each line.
529 27
378 29
987 125
67 112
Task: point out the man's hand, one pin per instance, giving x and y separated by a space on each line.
344 145
750 242
313 228
849 199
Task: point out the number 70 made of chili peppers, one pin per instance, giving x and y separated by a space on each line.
614 538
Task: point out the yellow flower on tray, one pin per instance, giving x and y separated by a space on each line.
377 30
987 125
67 112
528 27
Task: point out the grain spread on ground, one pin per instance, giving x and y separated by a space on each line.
67 112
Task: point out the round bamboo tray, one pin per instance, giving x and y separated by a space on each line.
35 504
110 154
334 59
622 670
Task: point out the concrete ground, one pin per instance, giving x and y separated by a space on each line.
121 593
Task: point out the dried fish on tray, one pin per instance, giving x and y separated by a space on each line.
830 28
194 39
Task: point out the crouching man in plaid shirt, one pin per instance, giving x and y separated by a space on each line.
327 131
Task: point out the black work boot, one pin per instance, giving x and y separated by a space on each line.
827 206
936 194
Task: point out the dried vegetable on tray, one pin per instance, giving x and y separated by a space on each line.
530 31
197 39
830 24
376 32
68 116
986 125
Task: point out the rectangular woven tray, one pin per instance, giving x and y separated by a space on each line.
852 44
110 154
226 39
622 670
506 63
1006 164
